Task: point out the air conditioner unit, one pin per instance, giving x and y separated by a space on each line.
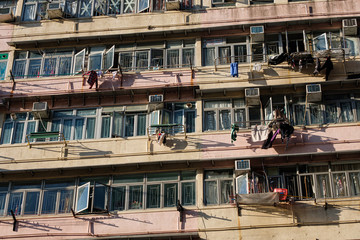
257 33
242 165
313 92
40 110
6 14
156 98
252 96
350 27
172 5
54 10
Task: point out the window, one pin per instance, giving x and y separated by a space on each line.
45 64
58 196
24 198
16 128
3 65
160 190
220 114
157 55
218 186
224 50
34 10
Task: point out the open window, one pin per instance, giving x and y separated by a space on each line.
92 197
109 58
143 5
268 111
96 58
79 61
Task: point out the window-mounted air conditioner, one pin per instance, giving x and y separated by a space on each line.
6 14
252 96
156 98
242 165
350 26
257 33
40 110
54 10
313 92
172 5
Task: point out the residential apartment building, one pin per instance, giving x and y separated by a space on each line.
134 119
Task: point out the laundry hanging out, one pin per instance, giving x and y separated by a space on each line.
93 79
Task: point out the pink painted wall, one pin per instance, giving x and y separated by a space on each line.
98 225
74 84
6 31
277 12
315 140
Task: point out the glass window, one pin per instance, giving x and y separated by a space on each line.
240 53
188 57
323 186
209 56
126 61
170 194
340 185
153 196
188 193
307 186
135 197
224 55
346 112
118 198
3 64
173 58
105 127
141 60
331 113
15 203
2 203
354 178
218 186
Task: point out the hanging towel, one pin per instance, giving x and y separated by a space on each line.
234 69
259 133
93 79
257 67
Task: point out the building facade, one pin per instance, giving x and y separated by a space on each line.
135 119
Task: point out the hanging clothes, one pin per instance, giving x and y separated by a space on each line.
93 79
317 66
161 138
259 133
257 67
234 69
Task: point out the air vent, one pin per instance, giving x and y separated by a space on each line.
40 110
242 165
156 98
6 14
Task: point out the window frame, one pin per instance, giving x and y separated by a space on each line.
218 180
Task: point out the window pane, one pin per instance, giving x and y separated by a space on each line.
85 8
34 68
115 7
32 202
67 128
299 115
15 203
6 133
153 196
129 6
129 125
141 60
71 7
55 127
30 129
105 127
188 175
79 125
86 112
157 58
358 110
3 65
49 202
59 114
173 58
170 194
354 183
118 198
346 112
117 125
224 55
126 61
141 127
217 104
240 53
315 114
307 186
29 12
19 69
79 61
143 5
211 192
100 196
188 193
209 56
19 130
240 118
340 185
2 203
254 115
49 67
95 61
323 186
225 119
66 201
226 191
90 128
190 121
162 176
135 197
210 120
330 113
257 52
188 57
129 178
221 174
82 197
64 66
